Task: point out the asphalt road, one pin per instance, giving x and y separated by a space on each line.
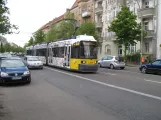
56 94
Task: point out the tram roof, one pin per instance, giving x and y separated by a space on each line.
62 42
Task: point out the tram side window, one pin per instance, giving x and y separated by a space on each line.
75 52
41 52
55 52
61 52
58 52
29 52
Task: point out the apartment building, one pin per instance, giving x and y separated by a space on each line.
98 8
145 10
45 28
158 47
83 10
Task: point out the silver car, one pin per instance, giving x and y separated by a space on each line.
33 62
111 62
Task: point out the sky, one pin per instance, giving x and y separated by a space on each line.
30 15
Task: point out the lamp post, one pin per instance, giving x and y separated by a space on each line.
142 32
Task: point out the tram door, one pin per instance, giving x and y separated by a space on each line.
67 54
50 55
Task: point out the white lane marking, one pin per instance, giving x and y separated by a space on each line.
124 71
109 85
129 71
152 81
107 73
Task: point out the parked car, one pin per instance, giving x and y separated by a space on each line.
33 62
154 67
111 62
14 70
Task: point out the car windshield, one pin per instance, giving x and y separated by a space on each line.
12 63
33 59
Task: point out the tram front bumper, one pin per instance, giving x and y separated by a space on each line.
88 68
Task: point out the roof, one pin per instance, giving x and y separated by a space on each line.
75 4
55 20
10 58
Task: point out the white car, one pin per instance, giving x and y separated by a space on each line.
33 62
111 62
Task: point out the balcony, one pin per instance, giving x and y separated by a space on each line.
150 33
99 25
99 10
86 14
146 12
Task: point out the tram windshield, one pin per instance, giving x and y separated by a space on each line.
88 49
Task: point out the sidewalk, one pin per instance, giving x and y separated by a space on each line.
132 65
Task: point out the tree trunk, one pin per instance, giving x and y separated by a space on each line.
125 50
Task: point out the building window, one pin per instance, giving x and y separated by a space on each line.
106 4
120 50
108 49
100 4
146 25
146 4
132 49
146 47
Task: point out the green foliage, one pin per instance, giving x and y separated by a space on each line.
133 58
127 30
88 28
149 58
62 30
2 48
8 48
30 42
5 26
69 15
39 37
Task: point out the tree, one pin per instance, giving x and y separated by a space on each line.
127 30
88 28
5 26
2 48
7 47
62 30
69 15
39 37
30 42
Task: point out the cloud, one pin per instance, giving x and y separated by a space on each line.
30 15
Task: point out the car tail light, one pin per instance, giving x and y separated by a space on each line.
116 61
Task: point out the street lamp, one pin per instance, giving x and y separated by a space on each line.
142 32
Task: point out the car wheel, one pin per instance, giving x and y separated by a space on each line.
28 82
99 65
144 70
112 66
122 68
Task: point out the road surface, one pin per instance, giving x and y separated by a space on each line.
56 94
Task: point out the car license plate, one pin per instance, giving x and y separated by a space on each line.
16 78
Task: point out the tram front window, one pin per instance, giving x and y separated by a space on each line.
88 50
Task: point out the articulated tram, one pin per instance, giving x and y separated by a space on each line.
78 54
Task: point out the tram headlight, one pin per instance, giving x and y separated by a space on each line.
83 62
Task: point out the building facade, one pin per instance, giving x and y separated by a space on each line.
145 11
83 10
158 47
46 28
